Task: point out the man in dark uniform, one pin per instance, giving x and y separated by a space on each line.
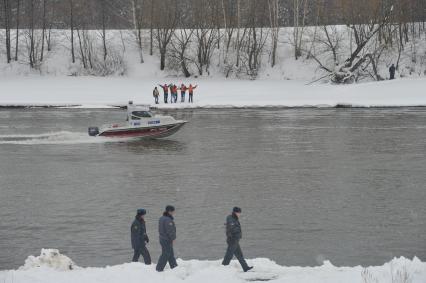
139 237
167 231
392 71
233 237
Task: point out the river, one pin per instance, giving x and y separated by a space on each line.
346 185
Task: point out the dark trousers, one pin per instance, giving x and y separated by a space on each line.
145 254
167 255
234 249
190 98
156 99
166 96
392 76
182 99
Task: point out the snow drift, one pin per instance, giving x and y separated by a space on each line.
53 267
49 258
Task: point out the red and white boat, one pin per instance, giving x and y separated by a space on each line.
141 123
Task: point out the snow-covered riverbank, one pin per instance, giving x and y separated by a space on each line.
104 92
52 267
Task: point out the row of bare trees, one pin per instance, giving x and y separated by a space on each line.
36 39
186 34
372 28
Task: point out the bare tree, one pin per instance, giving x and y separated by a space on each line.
166 25
363 33
238 45
31 52
180 43
229 29
18 14
206 33
33 36
273 9
299 17
72 30
256 38
103 21
7 11
85 48
137 22
43 30
151 28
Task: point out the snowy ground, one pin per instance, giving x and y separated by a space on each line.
279 86
52 267
113 91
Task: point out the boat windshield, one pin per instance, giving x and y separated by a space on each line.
137 115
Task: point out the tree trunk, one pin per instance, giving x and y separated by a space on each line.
7 11
162 59
72 31
184 68
43 31
137 25
238 33
17 28
49 48
151 30
32 57
104 30
82 52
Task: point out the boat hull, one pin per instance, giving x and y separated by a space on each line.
156 132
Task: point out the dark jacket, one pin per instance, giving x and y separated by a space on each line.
392 69
233 228
138 233
167 228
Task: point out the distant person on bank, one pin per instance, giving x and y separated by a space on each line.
175 91
233 237
156 94
171 93
392 70
191 93
167 231
166 92
139 237
183 90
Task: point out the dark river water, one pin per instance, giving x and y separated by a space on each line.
347 185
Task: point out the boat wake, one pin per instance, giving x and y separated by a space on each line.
61 137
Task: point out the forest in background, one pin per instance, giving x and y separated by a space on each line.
346 38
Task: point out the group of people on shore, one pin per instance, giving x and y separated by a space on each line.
173 90
167 233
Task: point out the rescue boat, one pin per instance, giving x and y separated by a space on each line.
140 123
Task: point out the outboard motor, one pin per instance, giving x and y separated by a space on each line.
93 131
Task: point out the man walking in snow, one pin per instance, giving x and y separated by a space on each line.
392 70
191 93
139 237
156 94
233 237
166 92
167 231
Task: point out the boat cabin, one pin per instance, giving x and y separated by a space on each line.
135 113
